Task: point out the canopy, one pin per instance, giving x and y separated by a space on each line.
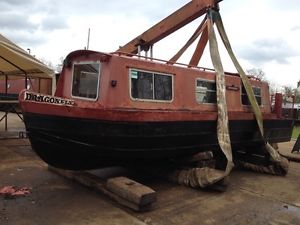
16 62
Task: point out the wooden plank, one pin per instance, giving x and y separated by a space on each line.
92 181
131 190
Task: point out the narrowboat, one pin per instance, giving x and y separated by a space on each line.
115 109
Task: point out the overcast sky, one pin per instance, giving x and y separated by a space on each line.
264 33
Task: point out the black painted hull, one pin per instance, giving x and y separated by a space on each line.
75 143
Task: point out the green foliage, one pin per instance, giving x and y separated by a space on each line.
296 132
297 95
289 91
297 98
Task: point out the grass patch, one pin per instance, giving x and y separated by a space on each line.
296 132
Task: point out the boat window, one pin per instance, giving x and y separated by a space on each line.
85 80
206 91
151 86
257 94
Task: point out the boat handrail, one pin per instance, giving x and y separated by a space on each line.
172 63
161 60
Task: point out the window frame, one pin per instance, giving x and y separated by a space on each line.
261 95
153 74
206 80
98 83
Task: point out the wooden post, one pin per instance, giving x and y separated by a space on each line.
278 105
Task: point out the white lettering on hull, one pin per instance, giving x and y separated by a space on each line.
34 97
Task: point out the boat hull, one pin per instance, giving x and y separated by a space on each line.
78 143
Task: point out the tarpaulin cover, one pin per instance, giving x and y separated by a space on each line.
16 62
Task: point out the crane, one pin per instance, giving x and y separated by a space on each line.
186 14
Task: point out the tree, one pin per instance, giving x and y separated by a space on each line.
257 73
290 91
274 87
47 63
297 95
60 65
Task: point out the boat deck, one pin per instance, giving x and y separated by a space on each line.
251 198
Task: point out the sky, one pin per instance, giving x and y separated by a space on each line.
264 34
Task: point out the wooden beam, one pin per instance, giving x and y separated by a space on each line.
200 48
123 190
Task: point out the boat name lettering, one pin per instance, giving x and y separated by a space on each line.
47 99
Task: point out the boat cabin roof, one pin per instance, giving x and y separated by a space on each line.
121 80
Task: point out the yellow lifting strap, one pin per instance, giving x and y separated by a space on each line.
203 177
275 157
222 126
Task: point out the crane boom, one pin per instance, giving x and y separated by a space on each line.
170 24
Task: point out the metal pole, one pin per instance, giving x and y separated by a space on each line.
5 120
88 40
26 81
292 109
6 83
151 51
139 50
17 68
6 106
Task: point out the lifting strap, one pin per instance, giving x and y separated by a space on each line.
222 125
278 161
196 34
203 177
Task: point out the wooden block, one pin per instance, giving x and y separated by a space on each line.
89 180
125 202
92 181
202 156
131 190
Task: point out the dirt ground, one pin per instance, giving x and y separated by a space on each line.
251 198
